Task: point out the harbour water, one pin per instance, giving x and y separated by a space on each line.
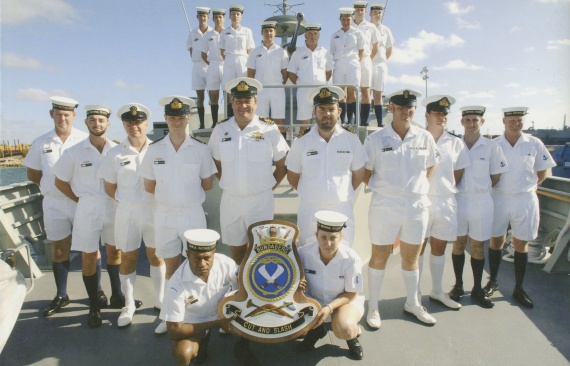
12 175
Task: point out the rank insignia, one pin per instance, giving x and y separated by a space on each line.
176 103
325 93
134 110
191 300
502 164
406 93
242 86
544 157
444 102
257 136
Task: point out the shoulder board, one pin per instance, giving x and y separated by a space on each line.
154 142
452 134
222 121
348 128
305 132
200 141
267 120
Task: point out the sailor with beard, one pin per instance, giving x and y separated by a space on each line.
326 166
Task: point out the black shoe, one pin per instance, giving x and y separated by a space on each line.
456 292
481 298
202 355
522 297
102 299
491 287
94 318
244 355
118 302
57 303
355 349
311 338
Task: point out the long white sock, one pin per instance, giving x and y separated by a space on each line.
375 279
411 282
421 270
128 287
157 274
436 266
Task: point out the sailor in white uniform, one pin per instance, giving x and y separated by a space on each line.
195 44
326 166
442 223
401 157
57 208
76 177
134 216
474 202
515 199
177 169
333 272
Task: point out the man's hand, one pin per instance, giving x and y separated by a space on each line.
225 323
302 285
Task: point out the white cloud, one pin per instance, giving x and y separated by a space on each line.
513 85
552 1
121 84
458 65
414 49
554 45
24 11
454 8
38 95
465 94
515 29
529 92
462 23
406 81
11 59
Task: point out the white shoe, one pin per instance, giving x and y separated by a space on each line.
161 329
373 319
419 312
445 300
126 316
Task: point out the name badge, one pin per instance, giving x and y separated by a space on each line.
304 57
387 149
48 150
312 152
83 165
259 55
343 152
226 139
335 37
126 162
159 162
310 271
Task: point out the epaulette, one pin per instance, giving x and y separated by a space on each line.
348 128
222 121
452 134
200 141
269 121
154 142
305 132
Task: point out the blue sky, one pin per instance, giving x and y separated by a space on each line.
495 53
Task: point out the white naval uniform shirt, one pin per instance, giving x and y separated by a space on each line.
236 41
326 168
79 165
326 282
247 155
211 46
371 35
45 152
345 45
178 174
399 166
310 66
268 63
196 40
188 299
121 166
487 159
528 156
385 41
452 156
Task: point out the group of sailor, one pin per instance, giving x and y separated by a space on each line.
357 56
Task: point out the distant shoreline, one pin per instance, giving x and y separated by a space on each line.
11 162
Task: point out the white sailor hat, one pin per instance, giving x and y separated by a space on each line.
330 221
377 6
268 24
309 27
63 103
218 11
201 240
202 10
236 7
175 105
477 110
243 87
360 4
325 95
133 112
515 111
438 103
405 97
346 11
98 109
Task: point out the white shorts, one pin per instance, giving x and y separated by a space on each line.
475 215
366 72
234 67
346 71
214 75
58 217
308 224
271 103
170 225
442 222
134 222
304 106
199 75
520 210
237 213
94 221
379 75
392 217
